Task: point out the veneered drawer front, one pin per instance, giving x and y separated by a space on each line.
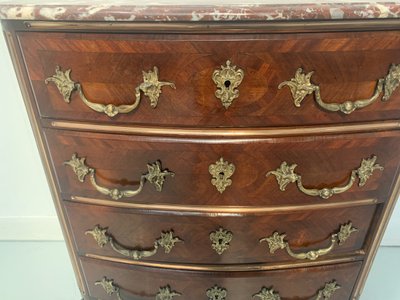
144 283
108 67
217 240
120 161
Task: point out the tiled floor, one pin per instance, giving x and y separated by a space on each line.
40 270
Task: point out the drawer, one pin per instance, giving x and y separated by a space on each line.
218 240
347 67
145 283
325 163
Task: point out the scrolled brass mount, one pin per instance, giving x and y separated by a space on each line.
167 241
285 174
227 79
150 87
277 241
323 294
155 175
300 86
164 293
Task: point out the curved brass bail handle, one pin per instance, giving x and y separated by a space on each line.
285 174
277 241
324 293
155 176
164 293
300 86
150 87
102 237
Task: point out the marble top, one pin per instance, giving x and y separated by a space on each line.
197 10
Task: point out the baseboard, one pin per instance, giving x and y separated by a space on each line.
30 229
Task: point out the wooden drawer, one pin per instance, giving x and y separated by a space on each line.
109 67
216 240
144 283
326 161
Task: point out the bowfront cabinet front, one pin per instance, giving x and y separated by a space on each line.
214 160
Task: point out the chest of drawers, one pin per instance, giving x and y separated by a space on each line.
205 159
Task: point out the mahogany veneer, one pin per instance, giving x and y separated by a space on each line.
190 129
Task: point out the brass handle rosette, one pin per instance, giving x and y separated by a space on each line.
155 176
277 241
164 293
150 87
300 86
285 174
167 241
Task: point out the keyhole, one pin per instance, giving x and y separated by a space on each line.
221 175
227 83
220 241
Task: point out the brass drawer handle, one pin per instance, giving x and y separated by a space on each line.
277 241
164 293
150 87
155 175
300 86
285 174
166 241
323 294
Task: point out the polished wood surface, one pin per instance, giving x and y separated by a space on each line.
304 231
324 161
251 134
109 67
143 283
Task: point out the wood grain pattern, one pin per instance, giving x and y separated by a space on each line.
305 231
143 283
322 161
109 67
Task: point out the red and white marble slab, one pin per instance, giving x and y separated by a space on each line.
174 11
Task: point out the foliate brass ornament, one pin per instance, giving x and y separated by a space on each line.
102 237
227 80
109 287
300 86
216 293
267 294
221 171
277 241
220 240
63 82
368 166
165 293
328 291
392 81
78 166
285 174
150 87
155 175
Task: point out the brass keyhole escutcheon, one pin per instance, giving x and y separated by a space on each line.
221 172
227 79
220 240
